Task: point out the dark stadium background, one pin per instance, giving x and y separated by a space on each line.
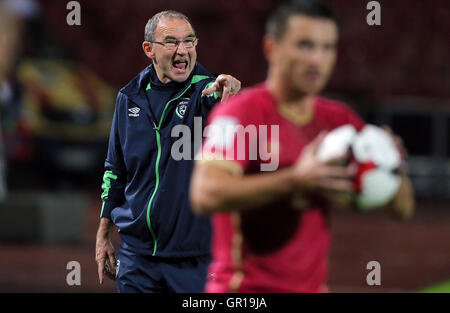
67 76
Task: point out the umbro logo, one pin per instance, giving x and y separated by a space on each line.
134 112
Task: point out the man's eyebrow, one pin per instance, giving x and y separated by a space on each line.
305 40
170 37
174 38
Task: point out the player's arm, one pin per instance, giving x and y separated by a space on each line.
104 250
113 196
215 188
403 204
114 181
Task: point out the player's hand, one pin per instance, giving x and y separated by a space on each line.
313 175
397 140
225 85
402 206
105 255
400 146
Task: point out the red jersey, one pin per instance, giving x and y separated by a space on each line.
283 246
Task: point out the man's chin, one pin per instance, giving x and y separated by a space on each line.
313 88
180 77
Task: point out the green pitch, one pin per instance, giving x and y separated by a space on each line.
440 288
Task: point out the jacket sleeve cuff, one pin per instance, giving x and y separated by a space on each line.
107 207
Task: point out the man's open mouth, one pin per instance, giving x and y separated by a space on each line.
313 75
180 66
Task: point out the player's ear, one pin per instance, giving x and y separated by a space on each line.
269 44
148 49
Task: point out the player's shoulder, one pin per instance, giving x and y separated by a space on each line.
250 101
332 105
337 112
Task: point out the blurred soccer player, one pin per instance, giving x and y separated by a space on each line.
270 230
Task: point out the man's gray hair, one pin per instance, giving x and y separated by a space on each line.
153 22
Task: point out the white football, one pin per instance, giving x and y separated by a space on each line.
376 158
336 143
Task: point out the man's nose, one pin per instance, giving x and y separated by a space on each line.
181 49
317 56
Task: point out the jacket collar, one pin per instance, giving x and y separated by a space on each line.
136 87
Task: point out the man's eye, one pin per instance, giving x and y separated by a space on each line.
330 47
305 45
170 43
188 41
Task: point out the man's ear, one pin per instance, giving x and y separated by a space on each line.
148 49
269 44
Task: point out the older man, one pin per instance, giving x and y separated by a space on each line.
164 247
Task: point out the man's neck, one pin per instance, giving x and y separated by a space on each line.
292 104
163 79
287 96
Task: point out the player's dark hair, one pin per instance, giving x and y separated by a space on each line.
277 22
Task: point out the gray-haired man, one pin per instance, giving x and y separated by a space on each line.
164 247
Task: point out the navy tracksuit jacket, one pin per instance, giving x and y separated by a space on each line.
146 191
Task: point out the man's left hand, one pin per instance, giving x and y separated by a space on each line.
225 85
397 140
403 204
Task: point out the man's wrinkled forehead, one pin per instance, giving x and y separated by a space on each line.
173 27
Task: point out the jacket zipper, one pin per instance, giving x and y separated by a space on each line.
157 128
